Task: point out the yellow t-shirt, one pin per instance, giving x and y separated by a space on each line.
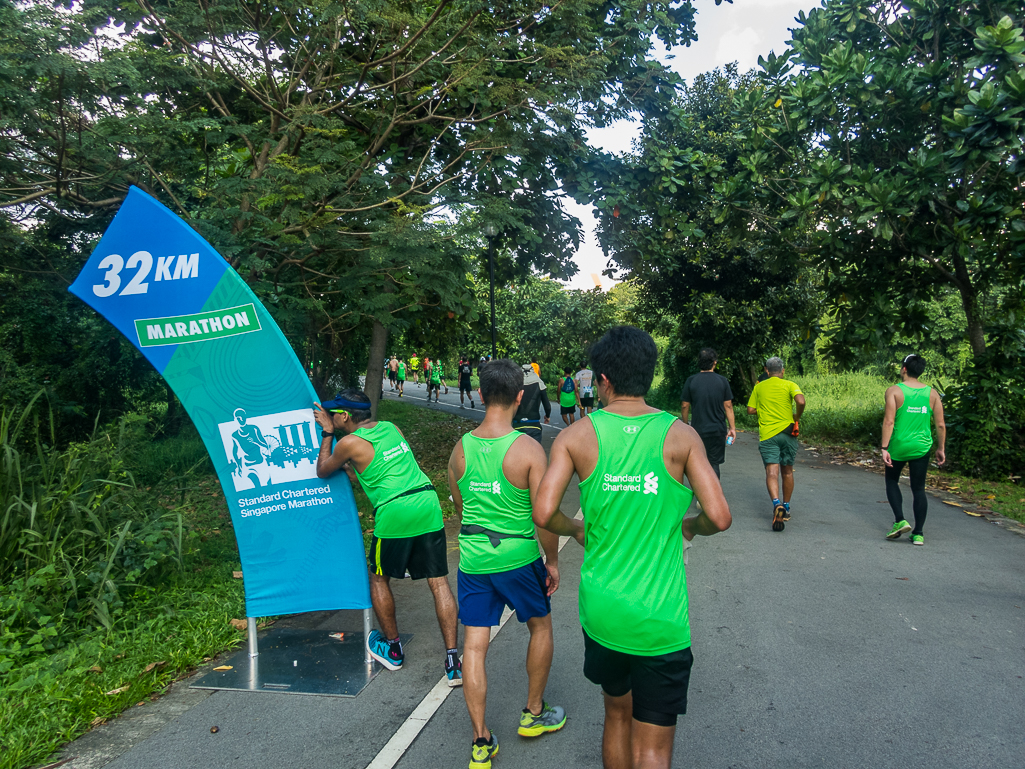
774 399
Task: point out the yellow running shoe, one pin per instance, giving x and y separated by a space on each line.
481 752
550 719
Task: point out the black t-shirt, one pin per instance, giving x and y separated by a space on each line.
705 392
465 370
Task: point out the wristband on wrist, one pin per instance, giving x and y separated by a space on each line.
324 435
886 447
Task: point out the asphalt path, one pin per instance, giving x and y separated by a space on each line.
824 645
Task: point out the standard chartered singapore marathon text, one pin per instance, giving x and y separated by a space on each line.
286 499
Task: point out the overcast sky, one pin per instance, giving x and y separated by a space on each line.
739 32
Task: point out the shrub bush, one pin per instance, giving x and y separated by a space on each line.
76 534
986 410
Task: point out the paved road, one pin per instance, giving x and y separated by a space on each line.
821 646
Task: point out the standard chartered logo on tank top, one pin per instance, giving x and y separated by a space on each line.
486 487
647 484
390 454
916 409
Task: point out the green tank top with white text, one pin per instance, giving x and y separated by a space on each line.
436 373
392 471
633 588
912 425
402 370
490 500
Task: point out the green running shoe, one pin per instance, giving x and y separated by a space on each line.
900 527
550 719
481 754
917 539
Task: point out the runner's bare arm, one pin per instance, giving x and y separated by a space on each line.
556 480
799 400
941 426
889 416
684 447
728 408
684 411
330 462
538 464
456 468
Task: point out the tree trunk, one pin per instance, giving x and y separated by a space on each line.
976 336
969 300
375 366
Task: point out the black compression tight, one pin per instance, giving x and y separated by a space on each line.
917 469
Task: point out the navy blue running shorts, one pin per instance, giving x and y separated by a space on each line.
482 597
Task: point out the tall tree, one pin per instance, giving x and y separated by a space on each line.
705 284
887 146
311 141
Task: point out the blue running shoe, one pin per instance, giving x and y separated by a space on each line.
387 653
454 670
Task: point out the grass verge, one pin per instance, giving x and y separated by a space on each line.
163 633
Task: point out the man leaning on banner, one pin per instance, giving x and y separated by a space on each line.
409 535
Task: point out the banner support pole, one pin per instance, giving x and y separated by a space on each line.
366 635
254 650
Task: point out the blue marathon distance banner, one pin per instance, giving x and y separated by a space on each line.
199 324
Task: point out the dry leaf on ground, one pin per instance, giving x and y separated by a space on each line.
239 624
154 665
236 574
118 690
98 720
224 667
95 669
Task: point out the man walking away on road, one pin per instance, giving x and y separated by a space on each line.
633 460
401 378
434 380
585 389
907 440
710 398
773 400
465 372
393 371
441 375
535 397
568 400
414 367
494 472
408 535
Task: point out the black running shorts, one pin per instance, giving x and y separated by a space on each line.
464 385
715 447
422 556
587 401
392 375
569 409
659 684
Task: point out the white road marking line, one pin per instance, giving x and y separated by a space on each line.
399 743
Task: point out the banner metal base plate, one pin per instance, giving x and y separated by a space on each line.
293 661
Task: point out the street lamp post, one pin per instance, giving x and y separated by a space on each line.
490 231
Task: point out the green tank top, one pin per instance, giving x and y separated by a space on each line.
912 425
633 588
436 373
491 501
402 370
392 471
